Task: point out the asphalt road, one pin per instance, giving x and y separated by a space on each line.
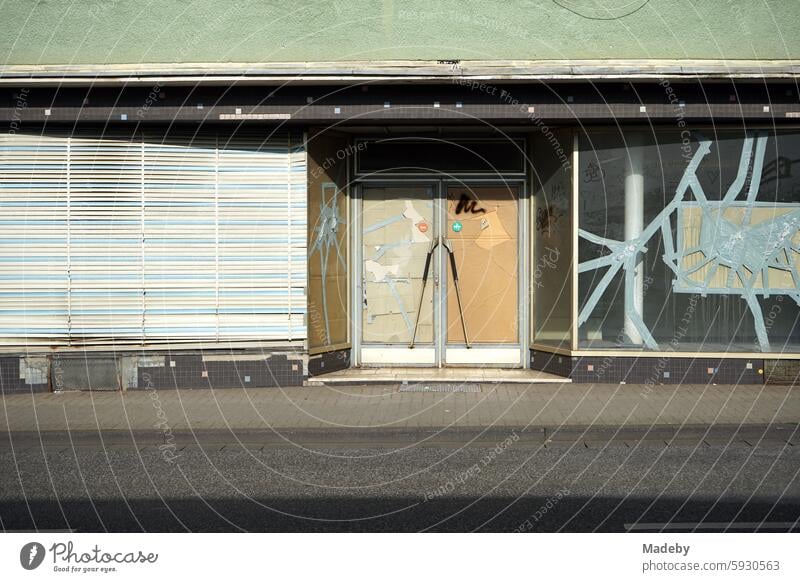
500 484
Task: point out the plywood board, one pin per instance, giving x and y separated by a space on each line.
485 244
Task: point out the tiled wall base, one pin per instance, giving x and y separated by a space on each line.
220 371
660 370
92 371
99 371
328 362
24 374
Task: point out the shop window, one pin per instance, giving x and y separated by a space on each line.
551 264
689 241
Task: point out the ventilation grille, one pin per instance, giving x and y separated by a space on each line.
441 387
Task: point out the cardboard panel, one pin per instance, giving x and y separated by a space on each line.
397 230
482 229
328 305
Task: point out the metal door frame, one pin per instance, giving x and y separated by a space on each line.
357 269
439 185
522 272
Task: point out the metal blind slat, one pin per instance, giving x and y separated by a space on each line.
114 238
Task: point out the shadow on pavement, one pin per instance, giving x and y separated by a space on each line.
368 514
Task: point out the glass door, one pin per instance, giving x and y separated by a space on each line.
483 271
440 275
398 314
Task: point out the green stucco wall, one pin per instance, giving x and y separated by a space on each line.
164 31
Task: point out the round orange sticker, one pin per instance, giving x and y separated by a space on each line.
423 227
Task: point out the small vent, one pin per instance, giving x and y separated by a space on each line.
441 387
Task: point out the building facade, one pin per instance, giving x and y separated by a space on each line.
174 216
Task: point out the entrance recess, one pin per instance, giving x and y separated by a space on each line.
440 275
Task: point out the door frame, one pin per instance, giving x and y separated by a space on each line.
501 355
424 355
439 185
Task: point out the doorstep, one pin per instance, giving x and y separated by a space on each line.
439 375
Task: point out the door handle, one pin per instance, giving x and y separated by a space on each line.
364 292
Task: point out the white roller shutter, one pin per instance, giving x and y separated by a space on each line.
34 285
104 191
179 238
261 239
120 240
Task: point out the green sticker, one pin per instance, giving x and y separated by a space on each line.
457 226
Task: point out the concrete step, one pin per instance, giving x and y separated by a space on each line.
437 376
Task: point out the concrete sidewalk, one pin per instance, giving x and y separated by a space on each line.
386 408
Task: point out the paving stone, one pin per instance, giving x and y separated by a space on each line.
513 405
